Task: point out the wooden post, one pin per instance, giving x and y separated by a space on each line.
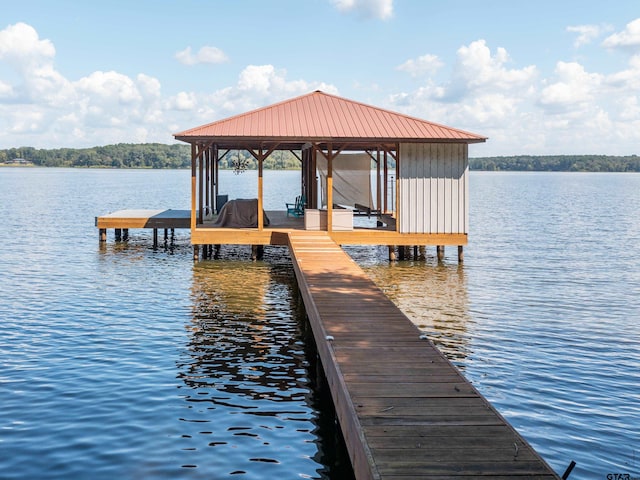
386 183
103 234
415 252
440 252
329 188
207 171
118 234
216 178
401 252
155 238
125 234
423 252
460 254
397 212
201 186
194 154
196 253
392 253
260 192
378 185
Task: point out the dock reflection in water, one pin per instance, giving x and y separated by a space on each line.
433 295
249 390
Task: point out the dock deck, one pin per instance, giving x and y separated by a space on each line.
405 410
140 218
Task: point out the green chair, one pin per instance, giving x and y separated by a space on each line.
297 209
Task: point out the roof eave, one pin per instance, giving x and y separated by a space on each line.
242 140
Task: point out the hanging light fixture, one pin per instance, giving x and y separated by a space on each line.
240 164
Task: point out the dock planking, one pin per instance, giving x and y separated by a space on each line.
123 220
404 409
141 218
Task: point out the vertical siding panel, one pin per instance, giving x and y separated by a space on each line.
441 193
434 183
433 187
408 162
465 149
404 186
461 187
426 148
455 188
448 175
417 209
420 204
414 185
461 191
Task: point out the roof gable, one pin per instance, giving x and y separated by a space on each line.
321 116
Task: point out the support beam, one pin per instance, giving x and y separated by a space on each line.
440 252
397 212
201 188
378 184
194 153
386 184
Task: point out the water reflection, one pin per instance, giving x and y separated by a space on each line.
432 294
249 389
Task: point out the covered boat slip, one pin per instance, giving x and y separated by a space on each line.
419 195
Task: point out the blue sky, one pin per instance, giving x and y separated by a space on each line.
545 77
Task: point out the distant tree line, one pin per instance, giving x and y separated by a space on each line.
122 155
558 163
147 155
156 155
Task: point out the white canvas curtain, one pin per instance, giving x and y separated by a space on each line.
351 179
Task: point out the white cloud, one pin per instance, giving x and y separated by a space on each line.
629 38
32 59
574 89
206 54
626 80
20 45
257 85
183 101
109 87
477 69
572 110
382 9
41 108
587 33
424 65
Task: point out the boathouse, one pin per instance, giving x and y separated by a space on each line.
423 201
404 410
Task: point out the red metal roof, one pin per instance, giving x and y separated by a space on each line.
319 116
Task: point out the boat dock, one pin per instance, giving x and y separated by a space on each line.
123 220
404 409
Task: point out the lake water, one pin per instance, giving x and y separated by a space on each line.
121 361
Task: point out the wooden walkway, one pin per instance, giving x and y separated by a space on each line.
405 410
